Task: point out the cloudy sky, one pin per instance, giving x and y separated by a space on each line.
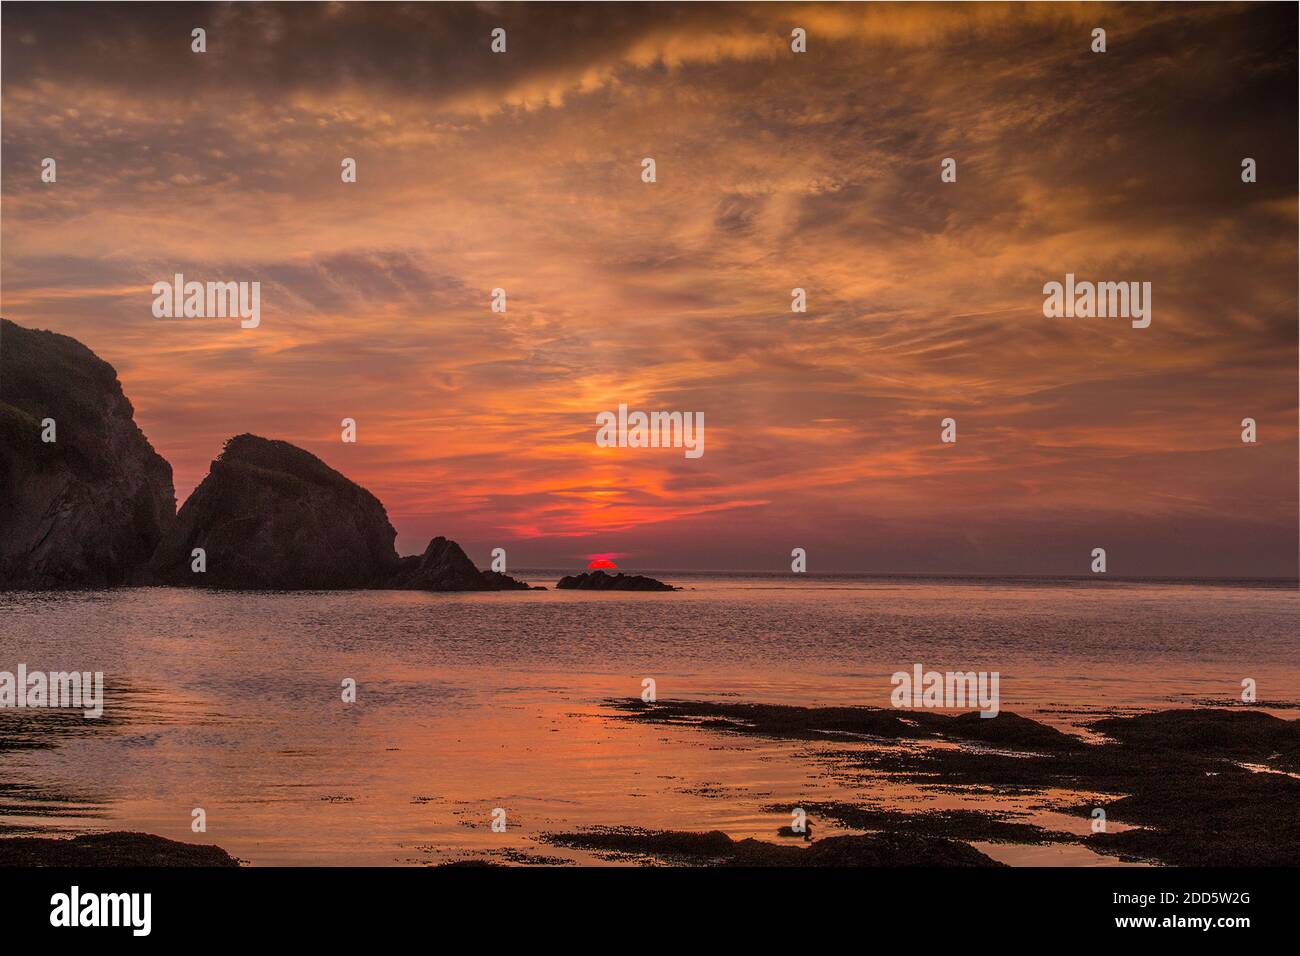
775 170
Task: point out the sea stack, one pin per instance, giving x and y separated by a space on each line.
86 502
600 581
270 515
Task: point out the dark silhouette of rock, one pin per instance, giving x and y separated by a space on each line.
789 831
88 509
1196 787
96 507
110 849
445 567
600 581
715 848
272 516
504 582
442 567
1007 730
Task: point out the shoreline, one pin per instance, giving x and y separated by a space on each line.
1189 787
1182 787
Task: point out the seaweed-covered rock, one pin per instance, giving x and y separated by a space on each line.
110 849
715 848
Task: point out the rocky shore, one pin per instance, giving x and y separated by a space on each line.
119 848
1212 787
715 848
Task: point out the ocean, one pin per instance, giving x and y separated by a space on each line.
471 704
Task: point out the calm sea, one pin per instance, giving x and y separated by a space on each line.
231 702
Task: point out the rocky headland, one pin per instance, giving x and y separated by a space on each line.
86 502
84 498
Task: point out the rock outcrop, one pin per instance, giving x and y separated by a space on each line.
272 516
87 509
600 581
445 567
504 582
715 848
118 848
95 507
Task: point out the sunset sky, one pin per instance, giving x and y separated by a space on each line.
775 170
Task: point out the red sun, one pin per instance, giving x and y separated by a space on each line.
601 564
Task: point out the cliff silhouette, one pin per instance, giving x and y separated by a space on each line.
89 508
95 507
